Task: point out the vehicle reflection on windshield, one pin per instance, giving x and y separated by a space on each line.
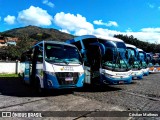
115 59
62 54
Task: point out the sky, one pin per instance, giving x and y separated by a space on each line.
140 18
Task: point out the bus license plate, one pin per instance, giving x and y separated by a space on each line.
121 82
134 77
69 79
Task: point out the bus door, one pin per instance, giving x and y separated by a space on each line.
94 58
27 72
28 67
87 68
87 71
37 65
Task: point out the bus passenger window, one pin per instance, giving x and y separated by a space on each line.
88 41
78 45
85 59
39 56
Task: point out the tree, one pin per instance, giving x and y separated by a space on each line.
147 47
14 52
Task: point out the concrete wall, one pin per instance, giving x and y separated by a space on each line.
10 67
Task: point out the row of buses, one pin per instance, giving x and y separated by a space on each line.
87 59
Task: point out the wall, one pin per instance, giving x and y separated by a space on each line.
10 67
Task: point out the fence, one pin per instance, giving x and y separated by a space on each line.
10 67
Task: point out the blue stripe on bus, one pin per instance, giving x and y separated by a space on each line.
116 80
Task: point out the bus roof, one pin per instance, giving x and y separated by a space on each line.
131 46
93 36
139 49
53 42
109 38
80 38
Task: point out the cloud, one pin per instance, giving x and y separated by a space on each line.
129 30
10 19
65 31
108 24
151 30
50 4
98 22
35 16
151 5
105 32
78 25
151 35
71 22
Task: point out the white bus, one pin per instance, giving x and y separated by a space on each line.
143 61
53 64
104 59
137 72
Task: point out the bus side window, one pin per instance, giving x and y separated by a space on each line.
109 55
78 45
86 58
40 55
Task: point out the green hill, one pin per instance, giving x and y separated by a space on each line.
28 36
38 33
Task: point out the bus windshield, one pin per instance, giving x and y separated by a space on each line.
142 58
115 58
59 53
133 60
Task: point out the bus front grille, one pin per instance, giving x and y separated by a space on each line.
67 78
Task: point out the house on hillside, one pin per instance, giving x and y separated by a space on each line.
11 40
8 41
2 42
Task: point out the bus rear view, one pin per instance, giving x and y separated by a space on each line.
52 64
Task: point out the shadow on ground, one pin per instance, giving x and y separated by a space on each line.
104 88
13 86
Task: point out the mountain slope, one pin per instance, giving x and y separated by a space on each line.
38 33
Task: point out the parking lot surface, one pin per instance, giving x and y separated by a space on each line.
141 95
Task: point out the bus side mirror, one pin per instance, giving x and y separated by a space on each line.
82 51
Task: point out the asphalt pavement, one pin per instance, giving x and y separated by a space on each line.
140 95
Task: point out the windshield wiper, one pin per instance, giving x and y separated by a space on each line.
73 61
65 62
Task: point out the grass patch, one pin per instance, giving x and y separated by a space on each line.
8 75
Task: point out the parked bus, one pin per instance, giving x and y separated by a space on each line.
153 63
137 72
143 61
104 59
53 64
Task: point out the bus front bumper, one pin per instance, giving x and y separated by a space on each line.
51 82
116 79
137 75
